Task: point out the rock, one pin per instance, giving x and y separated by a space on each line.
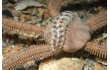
34 12
89 65
61 63
46 15
100 60
26 3
28 11
98 67
41 11
16 13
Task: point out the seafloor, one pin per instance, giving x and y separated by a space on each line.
39 16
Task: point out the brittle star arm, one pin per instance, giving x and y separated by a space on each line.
98 50
43 51
94 23
98 21
32 53
21 28
55 10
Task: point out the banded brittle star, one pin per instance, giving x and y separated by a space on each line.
66 28
67 34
